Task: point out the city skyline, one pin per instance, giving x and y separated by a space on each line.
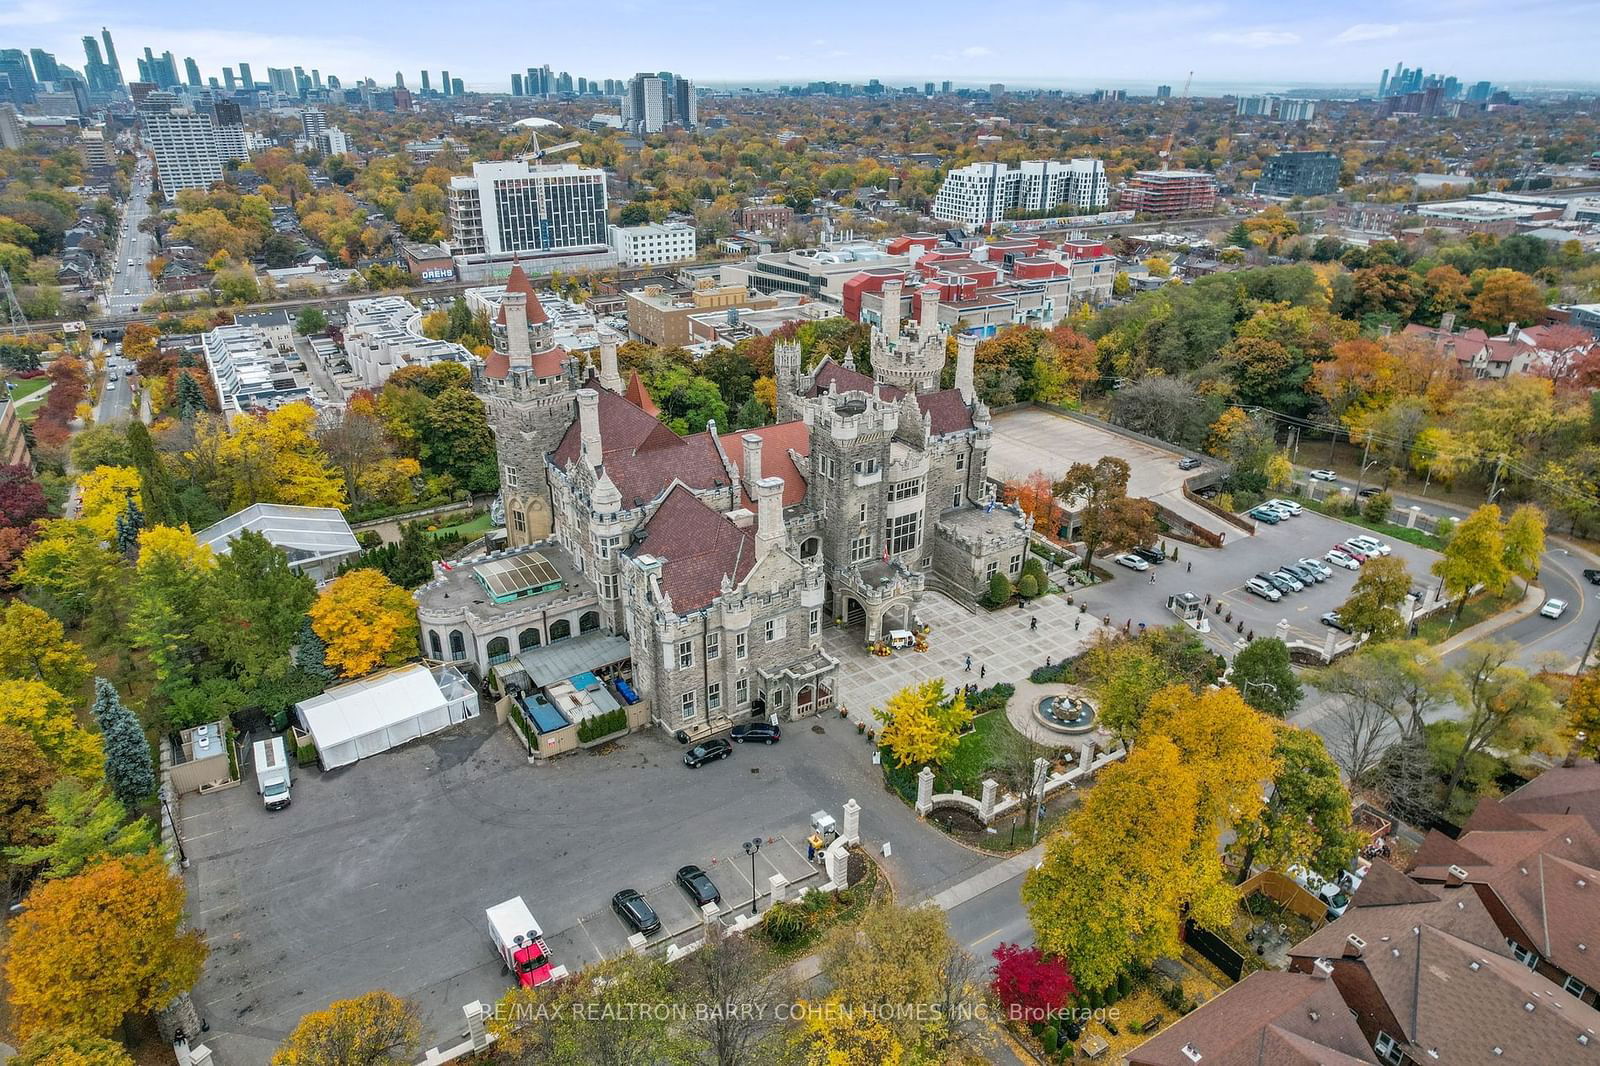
1240 44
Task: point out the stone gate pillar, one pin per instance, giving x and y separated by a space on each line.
852 819
924 790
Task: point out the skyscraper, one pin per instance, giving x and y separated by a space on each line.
227 78
44 66
192 70
245 80
399 80
444 82
516 85
424 81
456 87
186 150
685 103
111 57
15 67
95 70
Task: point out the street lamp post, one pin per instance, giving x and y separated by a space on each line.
751 847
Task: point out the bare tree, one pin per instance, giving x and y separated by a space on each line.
1013 758
1361 721
732 990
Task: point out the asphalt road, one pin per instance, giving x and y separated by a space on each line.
130 285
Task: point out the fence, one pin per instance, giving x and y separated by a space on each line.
1214 949
1286 892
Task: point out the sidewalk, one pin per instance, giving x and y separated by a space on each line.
1531 602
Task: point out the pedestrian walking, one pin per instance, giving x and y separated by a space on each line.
1047 662
982 670
1076 622
1033 623
1191 567
968 668
1152 579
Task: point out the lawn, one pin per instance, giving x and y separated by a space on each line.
967 766
1419 537
468 530
28 394
1479 608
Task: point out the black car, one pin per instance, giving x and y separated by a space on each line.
1592 576
694 881
1188 462
704 753
635 910
1151 555
756 733
1368 492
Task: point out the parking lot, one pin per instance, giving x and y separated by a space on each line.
1222 572
379 873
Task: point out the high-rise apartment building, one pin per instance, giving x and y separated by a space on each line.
685 103
45 67
10 128
312 122
16 75
444 82
1163 92
983 193
1165 193
92 143
425 82
516 85
1299 174
186 149
457 87
245 78
111 56
191 70
281 80
514 206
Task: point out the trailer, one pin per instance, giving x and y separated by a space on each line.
520 942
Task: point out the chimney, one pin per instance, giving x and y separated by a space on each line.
589 426
1450 350
609 378
769 516
1512 332
515 306
1385 330
1447 322
752 463
1191 1052
1322 968
1455 876
891 309
1354 946
930 310
966 356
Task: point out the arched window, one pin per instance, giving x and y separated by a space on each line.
499 650
560 630
528 638
589 620
434 647
458 645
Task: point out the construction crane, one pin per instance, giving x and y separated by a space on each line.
536 157
1177 116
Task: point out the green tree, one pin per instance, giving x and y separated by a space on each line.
102 444
1505 707
456 440
1264 677
1126 673
1000 590
25 779
190 399
1373 607
1474 556
1376 508
592 1018
1306 820
1523 537
129 769
156 488
255 605
311 653
310 321
1107 519
82 824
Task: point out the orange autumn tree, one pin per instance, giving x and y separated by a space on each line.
366 620
94 948
1036 495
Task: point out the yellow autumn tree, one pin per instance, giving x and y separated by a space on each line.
103 495
921 724
94 948
274 458
366 621
46 716
372 1028
833 1033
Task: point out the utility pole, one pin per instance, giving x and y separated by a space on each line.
13 309
1494 486
1367 447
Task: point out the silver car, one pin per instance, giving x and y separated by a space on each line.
1295 584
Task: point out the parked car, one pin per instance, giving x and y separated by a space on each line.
1188 462
707 752
1151 555
1324 475
1295 584
694 881
1264 588
1553 608
1372 545
1592 576
1285 505
1332 620
1368 492
1355 551
1132 562
1306 575
756 733
636 912
1340 558
1262 514
1278 582
1318 565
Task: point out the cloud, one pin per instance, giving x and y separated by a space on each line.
977 50
36 13
1256 38
1367 31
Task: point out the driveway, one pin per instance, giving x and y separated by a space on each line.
378 875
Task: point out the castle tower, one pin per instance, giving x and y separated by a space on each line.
850 436
786 369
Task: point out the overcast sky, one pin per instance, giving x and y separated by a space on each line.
969 41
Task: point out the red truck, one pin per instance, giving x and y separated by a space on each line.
520 942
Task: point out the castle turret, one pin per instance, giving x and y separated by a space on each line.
514 306
609 377
589 427
929 324
890 314
770 533
966 359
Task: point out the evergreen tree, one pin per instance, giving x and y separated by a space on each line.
156 488
1239 237
311 654
190 399
129 523
130 771
412 562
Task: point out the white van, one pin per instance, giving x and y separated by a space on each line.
272 773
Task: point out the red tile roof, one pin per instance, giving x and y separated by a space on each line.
698 547
639 396
641 455
518 282
546 364
776 444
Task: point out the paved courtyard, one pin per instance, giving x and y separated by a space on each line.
379 873
1003 646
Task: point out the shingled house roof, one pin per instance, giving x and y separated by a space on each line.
1384 886
1269 1018
698 548
1561 790
776 444
639 396
640 454
518 282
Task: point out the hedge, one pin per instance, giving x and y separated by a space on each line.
991 699
603 725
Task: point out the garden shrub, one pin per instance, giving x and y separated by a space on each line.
785 923
602 725
1051 1040
991 699
1028 587
999 591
